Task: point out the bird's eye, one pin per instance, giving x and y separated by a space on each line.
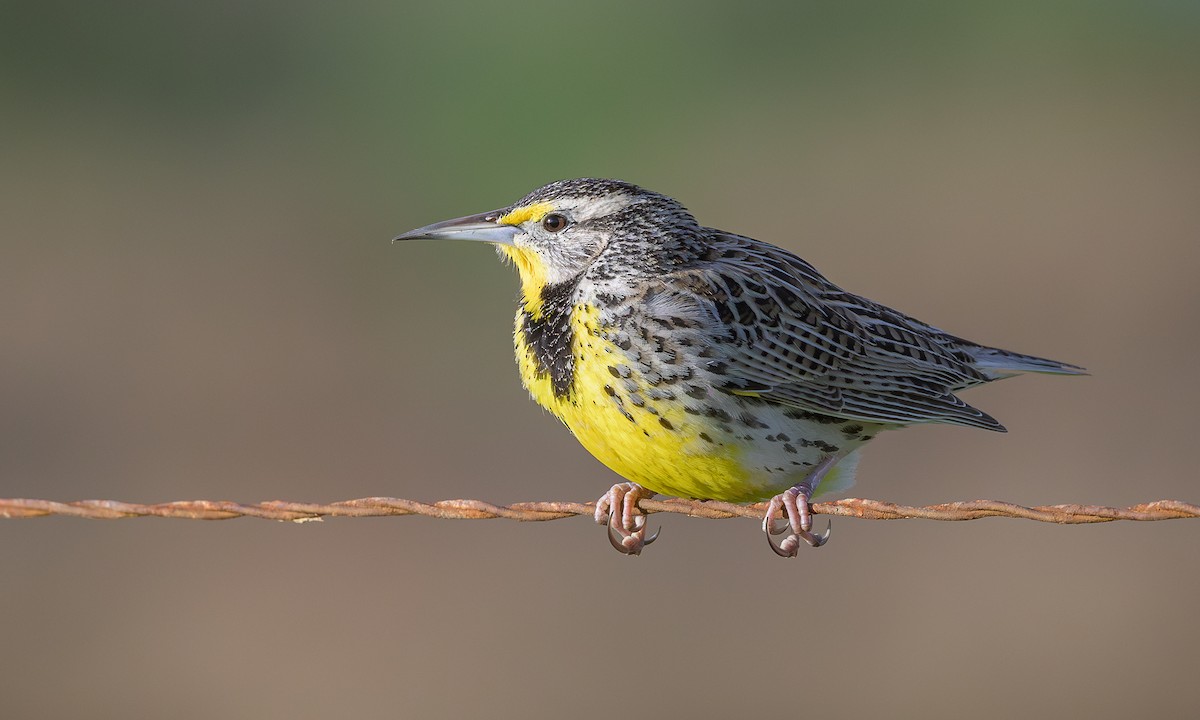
554 222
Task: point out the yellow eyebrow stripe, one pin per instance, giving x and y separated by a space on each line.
533 212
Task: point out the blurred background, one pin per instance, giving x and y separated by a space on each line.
198 299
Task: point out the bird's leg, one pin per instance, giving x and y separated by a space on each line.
794 503
618 509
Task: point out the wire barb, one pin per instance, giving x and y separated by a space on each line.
541 511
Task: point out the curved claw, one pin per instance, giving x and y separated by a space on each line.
629 542
819 540
785 549
618 544
771 527
790 545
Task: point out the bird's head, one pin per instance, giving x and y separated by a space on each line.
556 233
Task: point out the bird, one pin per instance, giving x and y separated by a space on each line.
705 364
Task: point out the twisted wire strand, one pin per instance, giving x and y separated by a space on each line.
541 511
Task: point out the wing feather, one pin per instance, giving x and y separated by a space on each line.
794 338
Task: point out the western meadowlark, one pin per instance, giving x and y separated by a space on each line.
703 364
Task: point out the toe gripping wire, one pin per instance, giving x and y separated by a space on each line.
629 541
618 509
788 547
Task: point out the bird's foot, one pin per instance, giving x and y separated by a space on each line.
618 509
793 504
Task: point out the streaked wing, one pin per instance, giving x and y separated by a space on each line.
792 337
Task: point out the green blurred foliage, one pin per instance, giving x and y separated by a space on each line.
473 94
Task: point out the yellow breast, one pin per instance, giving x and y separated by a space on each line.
654 443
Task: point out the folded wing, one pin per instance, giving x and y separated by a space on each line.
790 336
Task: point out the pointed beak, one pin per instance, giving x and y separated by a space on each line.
482 227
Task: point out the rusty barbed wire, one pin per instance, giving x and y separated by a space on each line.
542 511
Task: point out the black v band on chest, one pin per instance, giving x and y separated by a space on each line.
550 336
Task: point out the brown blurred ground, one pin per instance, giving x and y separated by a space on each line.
198 300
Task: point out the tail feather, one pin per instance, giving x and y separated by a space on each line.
1002 363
